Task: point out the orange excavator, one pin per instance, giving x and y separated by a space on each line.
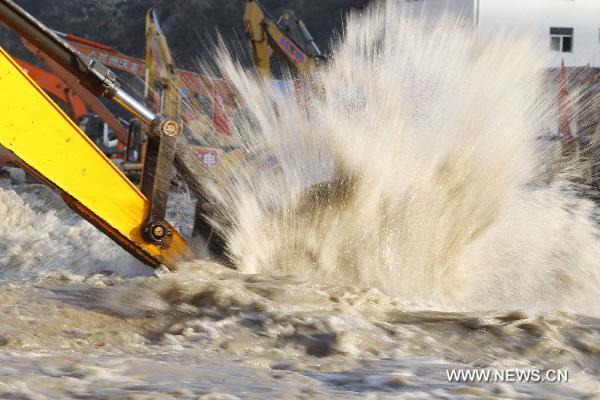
164 79
96 106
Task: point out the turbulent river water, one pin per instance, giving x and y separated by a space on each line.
410 230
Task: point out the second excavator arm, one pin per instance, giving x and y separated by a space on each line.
287 37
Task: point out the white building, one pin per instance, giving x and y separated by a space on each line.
569 28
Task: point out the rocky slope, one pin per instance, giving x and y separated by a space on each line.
191 25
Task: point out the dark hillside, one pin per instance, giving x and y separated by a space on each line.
190 25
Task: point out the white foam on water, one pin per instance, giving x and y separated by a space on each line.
41 237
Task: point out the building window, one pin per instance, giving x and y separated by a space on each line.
561 39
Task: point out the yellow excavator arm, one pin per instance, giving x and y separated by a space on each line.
160 67
51 147
283 37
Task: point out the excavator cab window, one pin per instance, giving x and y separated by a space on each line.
135 138
101 134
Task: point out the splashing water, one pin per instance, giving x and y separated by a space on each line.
409 180
410 166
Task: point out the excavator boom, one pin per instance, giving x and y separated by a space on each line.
79 92
283 37
57 88
51 147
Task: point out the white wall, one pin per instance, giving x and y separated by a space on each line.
539 15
